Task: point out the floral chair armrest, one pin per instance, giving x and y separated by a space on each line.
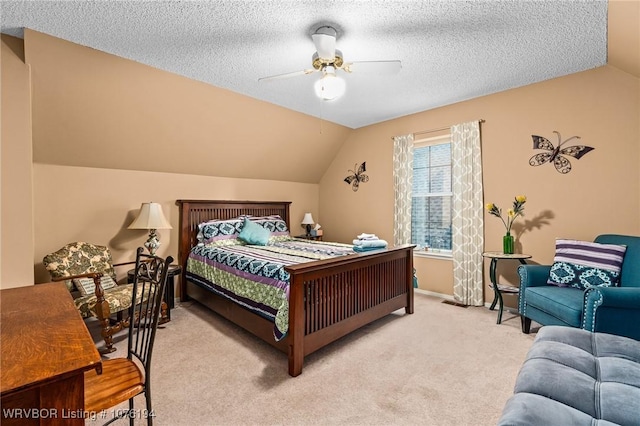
99 291
93 275
614 310
124 263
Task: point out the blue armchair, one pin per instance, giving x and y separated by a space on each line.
614 310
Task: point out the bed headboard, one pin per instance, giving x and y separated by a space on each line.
194 212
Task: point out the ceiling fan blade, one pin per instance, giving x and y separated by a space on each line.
373 67
325 41
287 75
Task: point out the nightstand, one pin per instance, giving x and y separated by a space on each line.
169 291
310 237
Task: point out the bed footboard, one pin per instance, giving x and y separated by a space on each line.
329 299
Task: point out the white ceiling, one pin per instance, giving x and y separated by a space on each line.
450 50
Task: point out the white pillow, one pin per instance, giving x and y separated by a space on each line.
87 286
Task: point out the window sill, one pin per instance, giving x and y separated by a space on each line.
433 254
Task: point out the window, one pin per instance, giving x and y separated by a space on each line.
432 196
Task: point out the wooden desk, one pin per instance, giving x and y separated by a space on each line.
46 348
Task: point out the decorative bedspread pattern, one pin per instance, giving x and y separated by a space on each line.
254 276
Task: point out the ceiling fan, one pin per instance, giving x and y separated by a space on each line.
328 60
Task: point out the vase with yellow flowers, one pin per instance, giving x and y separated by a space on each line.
512 214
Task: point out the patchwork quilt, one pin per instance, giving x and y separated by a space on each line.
254 276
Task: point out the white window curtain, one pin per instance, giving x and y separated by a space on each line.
468 213
402 184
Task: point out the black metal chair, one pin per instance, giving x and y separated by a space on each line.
121 379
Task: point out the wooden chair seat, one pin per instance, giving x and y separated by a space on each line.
121 379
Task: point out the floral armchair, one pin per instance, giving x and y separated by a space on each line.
89 274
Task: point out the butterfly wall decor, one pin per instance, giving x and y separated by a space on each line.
358 176
556 155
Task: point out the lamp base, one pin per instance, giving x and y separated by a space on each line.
153 243
308 227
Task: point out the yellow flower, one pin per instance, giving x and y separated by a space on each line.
512 213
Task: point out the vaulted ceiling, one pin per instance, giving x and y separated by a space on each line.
450 50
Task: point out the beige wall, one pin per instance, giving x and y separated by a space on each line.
600 195
93 109
623 34
96 117
16 245
97 205
113 133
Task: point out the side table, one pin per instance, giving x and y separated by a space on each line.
169 291
498 289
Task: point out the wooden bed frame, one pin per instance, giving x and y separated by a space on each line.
328 299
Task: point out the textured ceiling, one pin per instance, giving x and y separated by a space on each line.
450 50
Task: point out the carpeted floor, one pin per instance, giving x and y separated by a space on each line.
443 365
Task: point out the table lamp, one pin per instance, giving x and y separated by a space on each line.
151 217
308 221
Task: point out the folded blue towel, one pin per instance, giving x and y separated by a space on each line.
370 243
360 249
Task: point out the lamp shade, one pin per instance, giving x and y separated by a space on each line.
330 86
150 217
308 219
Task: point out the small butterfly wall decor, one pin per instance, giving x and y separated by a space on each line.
358 176
556 155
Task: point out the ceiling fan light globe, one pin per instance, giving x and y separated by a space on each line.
330 87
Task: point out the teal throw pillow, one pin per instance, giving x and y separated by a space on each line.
252 233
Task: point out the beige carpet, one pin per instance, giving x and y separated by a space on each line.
443 365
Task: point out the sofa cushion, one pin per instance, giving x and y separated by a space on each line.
562 303
572 376
527 409
583 264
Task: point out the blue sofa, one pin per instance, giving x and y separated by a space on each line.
575 377
614 310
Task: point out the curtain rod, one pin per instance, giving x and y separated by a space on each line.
423 132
